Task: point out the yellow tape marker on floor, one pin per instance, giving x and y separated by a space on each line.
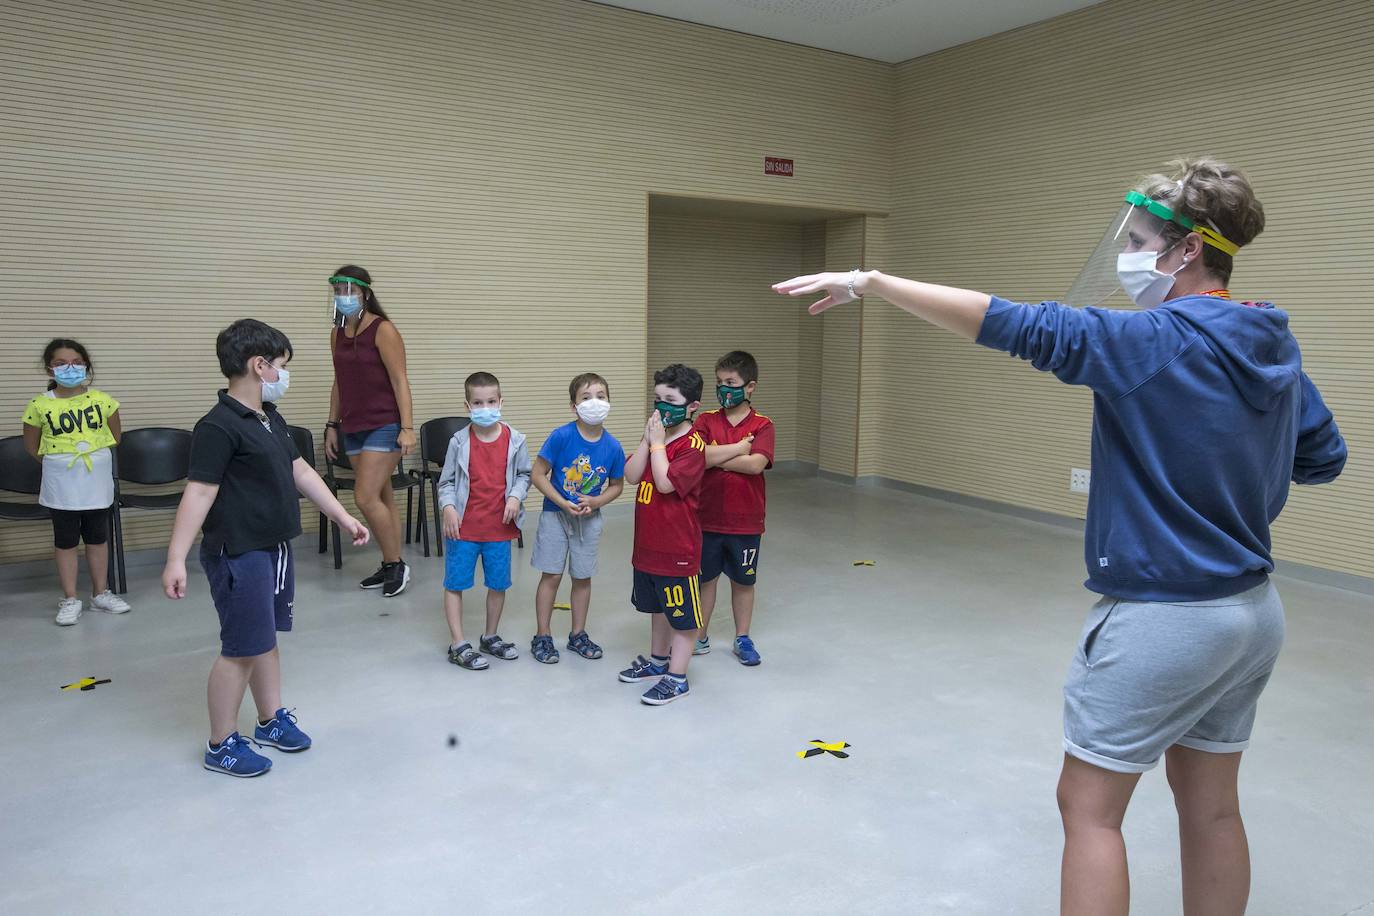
833 748
562 607
864 563
86 683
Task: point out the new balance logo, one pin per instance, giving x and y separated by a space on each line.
228 762
1102 562
275 733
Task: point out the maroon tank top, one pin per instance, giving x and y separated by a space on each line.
366 400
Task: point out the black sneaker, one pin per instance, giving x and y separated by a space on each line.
377 579
397 578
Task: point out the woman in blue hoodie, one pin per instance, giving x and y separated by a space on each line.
1202 416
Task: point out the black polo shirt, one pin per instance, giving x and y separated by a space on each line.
257 506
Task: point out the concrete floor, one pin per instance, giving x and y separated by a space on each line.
941 665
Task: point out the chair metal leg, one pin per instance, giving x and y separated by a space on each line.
520 540
410 508
324 533
338 550
422 520
121 581
438 522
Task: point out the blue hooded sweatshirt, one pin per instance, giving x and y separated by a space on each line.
1201 417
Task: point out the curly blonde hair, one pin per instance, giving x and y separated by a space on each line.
1214 194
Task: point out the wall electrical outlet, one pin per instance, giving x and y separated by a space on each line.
1079 478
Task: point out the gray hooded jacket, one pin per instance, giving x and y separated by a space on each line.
455 483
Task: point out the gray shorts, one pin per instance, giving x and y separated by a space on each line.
1149 675
564 542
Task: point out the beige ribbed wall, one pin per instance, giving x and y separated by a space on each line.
1013 152
841 359
708 295
170 166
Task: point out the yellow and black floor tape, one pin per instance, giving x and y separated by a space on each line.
818 747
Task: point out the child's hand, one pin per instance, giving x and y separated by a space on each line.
585 505
451 523
174 579
746 445
357 531
655 431
512 510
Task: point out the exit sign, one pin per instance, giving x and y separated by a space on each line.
772 165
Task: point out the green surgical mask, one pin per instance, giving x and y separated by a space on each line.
729 395
671 414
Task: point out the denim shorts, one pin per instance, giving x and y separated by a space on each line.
381 439
1148 675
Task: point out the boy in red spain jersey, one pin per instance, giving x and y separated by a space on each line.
666 471
739 448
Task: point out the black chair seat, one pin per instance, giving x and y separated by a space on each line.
23 512
149 500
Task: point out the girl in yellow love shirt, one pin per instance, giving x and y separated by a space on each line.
70 429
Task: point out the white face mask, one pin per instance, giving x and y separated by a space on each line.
1146 286
593 411
272 391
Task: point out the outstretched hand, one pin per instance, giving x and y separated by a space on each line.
834 285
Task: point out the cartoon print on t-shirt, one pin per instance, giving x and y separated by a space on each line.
581 479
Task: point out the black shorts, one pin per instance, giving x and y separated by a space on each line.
736 555
678 598
71 527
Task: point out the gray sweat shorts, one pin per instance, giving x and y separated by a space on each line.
1148 675
564 542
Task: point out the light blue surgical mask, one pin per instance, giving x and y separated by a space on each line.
70 376
348 306
485 416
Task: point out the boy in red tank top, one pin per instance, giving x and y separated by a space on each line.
739 448
666 471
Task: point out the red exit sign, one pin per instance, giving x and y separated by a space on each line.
772 165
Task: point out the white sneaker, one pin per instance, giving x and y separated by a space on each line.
110 603
68 611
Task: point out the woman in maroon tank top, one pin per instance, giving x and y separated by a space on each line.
370 414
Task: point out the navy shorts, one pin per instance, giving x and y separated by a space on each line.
678 598
736 555
254 594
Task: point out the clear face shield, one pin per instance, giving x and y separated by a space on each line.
346 295
1127 254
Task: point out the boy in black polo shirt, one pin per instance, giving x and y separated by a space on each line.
242 490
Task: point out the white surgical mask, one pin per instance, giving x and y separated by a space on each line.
272 391
593 411
1146 286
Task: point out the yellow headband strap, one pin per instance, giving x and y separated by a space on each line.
1217 240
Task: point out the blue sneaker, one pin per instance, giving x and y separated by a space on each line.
281 732
665 691
641 669
745 651
235 758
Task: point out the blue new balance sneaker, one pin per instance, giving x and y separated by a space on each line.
641 669
235 758
665 691
281 732
745 651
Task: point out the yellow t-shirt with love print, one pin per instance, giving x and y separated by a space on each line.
72 426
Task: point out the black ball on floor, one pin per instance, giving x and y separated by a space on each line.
452 740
